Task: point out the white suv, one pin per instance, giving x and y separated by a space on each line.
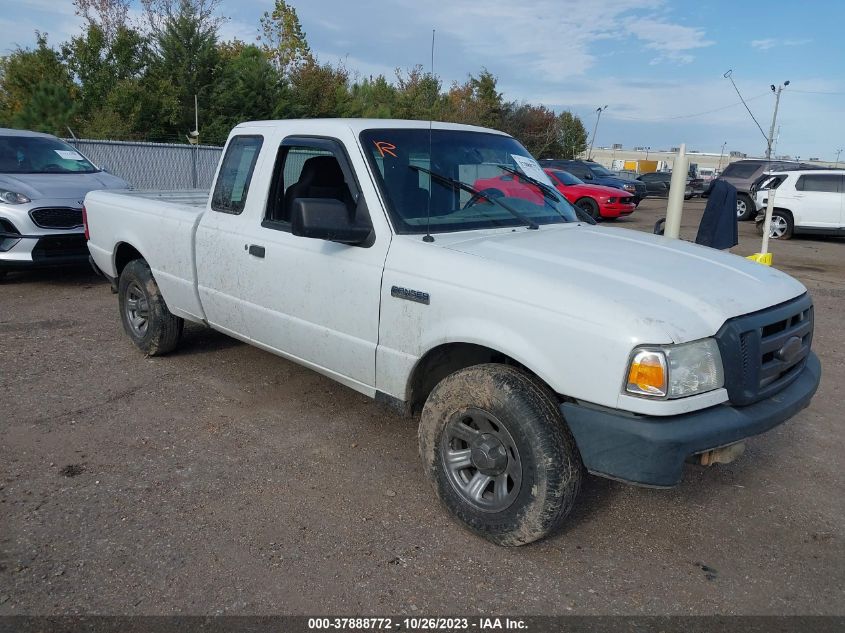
805 202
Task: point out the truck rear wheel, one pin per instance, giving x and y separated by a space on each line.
499 454
143 312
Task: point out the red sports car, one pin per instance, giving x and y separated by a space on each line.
597 200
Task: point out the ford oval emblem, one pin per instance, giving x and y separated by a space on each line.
790 350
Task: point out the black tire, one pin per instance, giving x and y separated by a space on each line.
589 206
143 312
782 225
745 207
541 465
2 274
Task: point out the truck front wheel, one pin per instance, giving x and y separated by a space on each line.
499 454
144 314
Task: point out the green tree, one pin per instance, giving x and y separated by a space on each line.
535 126
185 39
475 102
418 95
572 135
46 110
99 63
283 40
372 98
316 90
246 88
36 79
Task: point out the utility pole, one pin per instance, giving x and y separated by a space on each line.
721 153
595 129
647 150
774 117
838 152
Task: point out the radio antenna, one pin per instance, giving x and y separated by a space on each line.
428 237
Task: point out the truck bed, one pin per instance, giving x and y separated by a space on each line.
161 225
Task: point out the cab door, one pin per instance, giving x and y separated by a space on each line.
313 300
219 239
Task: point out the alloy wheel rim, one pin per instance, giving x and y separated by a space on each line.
777 228
481 460
741 208
137 309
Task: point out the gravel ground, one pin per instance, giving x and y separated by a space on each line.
221 479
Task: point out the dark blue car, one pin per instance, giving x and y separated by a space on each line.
594 174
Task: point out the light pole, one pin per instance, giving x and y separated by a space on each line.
647 150
774 117
595 129
721 153
838 152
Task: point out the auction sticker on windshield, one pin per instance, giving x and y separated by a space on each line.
68 154
531 168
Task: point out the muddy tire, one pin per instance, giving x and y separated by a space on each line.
499 454
143 312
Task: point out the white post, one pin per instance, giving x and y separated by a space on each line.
677 188
770 205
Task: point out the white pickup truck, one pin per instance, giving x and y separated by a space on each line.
535 344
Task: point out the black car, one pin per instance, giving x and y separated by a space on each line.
594 174
657 184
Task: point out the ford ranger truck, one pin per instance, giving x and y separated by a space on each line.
533 344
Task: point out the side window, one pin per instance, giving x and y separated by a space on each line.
303 171
232 186
826 183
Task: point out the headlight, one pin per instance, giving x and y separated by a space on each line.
675 371
11 197
629 187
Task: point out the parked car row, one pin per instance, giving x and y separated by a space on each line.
657 184
742 174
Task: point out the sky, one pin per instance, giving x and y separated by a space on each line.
657 65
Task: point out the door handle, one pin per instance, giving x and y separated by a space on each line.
256 251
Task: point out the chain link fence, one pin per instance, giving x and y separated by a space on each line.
154 165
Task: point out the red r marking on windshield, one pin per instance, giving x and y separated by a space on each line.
384 147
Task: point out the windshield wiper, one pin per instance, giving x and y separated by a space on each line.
547 191
457 184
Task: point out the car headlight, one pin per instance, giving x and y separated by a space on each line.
12 197
629 187
675 371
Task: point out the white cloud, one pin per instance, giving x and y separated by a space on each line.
673 42
769 42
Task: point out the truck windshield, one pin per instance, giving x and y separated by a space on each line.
416 175
40 155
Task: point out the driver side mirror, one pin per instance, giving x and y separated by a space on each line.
327 219
588 176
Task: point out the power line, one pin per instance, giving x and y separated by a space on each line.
728 75
817 92
689 116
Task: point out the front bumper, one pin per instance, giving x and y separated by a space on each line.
615 210
43 250
651 450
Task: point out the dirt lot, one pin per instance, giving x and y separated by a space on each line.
222 479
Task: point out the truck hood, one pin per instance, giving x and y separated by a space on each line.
593 273
36 186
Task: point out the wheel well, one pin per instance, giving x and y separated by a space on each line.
446 359
124 254
784 211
